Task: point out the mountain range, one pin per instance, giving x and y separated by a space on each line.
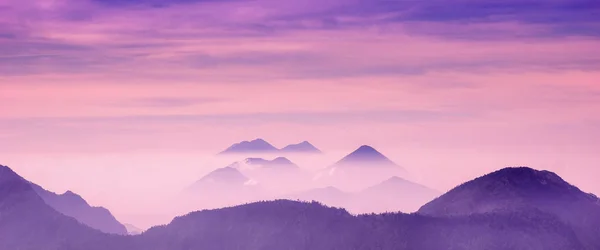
262 146
504 219
73 205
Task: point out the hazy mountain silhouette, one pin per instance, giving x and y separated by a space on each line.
330 196
262 146
27 222
523 189
302 147
224 176
277 163
366 156
392 195
360 169
71 204
254 146
222 187
279 175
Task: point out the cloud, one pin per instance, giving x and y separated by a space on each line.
168 102
290 39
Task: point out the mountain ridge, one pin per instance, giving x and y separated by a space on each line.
262 146
26 222
519 189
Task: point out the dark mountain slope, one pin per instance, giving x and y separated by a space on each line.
523 189
292 225
27 222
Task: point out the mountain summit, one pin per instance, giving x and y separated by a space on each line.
522 189
303 147
362 168
366 155
254 146
507 189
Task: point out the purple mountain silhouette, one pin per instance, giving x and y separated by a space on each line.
254 146
393 195
366 155
360 169
522 189
396 184
27 222
279 162
226 176
279 175
303 147
330 196
72 205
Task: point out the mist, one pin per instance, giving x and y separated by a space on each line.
145 189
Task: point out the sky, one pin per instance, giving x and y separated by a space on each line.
449 89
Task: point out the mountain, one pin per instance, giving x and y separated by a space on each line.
277 163
72 205
360 169
27 222
367 156
523 189
222 187
254 146
392 195
278 176
223 178
283 224
330 196
302 147
262 146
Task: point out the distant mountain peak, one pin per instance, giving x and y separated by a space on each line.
302 147
256 145
395 179
225 174
366 154
366 148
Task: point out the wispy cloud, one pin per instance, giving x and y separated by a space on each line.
167 102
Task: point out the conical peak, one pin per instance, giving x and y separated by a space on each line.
366 152
366 148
